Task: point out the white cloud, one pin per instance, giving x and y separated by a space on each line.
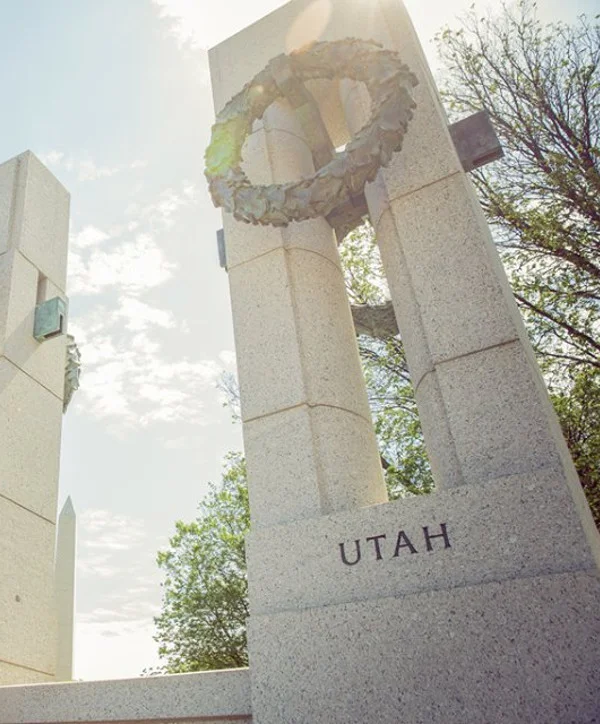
164 396
161 213
118 625
132 609
227 357
103 537
116 547
104 529
52 158
138 316
130 377
99 614
133 266
194 24
127 379
86 168
183 442
96 566
88 236
121 648
186 18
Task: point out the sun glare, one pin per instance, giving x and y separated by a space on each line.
310 25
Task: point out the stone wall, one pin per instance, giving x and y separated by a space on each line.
205 697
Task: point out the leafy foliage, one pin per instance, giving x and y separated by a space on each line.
203 621
541 86
578 408
389 387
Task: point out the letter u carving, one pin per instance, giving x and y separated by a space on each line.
343 553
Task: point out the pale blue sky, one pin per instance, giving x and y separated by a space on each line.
113 95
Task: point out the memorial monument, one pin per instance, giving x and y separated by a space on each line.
478 603
34 226
64 585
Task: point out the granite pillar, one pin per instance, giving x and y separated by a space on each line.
470 605
308 435
482 402
34 219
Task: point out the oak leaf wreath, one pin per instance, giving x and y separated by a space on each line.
389 82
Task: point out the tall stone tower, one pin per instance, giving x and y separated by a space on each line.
477 603
66 547
34 221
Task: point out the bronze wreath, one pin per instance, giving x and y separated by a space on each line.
389 83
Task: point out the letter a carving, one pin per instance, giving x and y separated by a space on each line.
403 542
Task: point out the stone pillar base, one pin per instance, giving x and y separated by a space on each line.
511 651
477 604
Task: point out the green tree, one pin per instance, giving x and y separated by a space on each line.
578 408
204 610
389 387
540 84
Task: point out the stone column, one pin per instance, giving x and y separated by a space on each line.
64 572
308 434
475 603
482 402
34 220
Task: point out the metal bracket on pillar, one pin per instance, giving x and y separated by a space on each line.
347 217
476 141
377 321
50 319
